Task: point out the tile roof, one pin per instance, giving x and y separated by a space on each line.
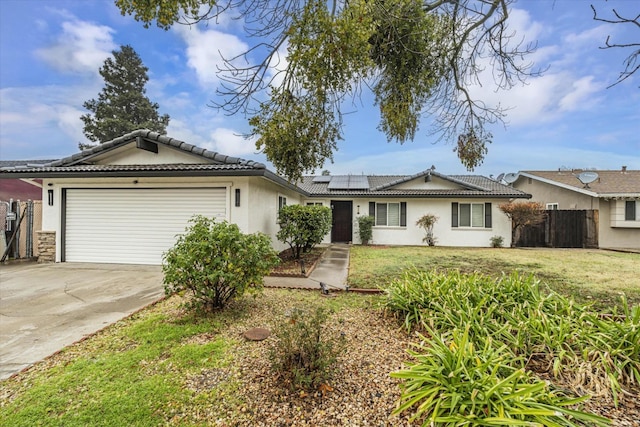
382 186
82 162
85 156
609 182
165 167
24 163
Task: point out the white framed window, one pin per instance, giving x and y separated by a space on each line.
282 201
552 206
471 215
389 214
630 210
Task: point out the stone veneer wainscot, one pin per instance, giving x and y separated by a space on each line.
46 246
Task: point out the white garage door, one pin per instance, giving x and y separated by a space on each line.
133 226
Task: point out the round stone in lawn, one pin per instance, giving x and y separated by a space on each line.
257 334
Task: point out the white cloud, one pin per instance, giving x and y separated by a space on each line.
44 118
231 143
206 50
567 86
82 47
581 95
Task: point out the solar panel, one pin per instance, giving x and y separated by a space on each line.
322 179
348 182
339 182
358 182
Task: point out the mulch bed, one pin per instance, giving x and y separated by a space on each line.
245 392
291 267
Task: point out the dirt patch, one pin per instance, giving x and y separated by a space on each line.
291 267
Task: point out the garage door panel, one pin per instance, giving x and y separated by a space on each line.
133 226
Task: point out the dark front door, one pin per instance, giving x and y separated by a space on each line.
342 228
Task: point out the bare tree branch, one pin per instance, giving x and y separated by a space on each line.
630 63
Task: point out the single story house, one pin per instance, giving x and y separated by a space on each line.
615 194
124 201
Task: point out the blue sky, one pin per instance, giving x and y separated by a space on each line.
50 53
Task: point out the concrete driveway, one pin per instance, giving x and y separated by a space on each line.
45 307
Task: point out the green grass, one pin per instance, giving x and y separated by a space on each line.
129 376
135 372
584 274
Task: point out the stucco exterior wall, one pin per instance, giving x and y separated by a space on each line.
263 208
626 235
436 183
545 193
130 155
445 234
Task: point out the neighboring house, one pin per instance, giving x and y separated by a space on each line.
615 194
125 201
21 188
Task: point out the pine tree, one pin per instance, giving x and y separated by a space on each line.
122 105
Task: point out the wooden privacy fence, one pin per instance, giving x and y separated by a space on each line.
562 229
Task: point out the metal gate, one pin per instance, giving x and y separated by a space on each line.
19 220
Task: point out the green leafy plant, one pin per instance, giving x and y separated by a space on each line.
303 227
365 228
454 382
304 351
552 333
427 222
216 262
497 241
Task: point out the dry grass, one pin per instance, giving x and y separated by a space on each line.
585 274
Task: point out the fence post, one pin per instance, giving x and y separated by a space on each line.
29 239
16 247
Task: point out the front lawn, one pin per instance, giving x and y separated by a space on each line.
168 366
164 366
585 274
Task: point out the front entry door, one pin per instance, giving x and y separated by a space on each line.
342 228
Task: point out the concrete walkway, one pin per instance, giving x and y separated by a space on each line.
332 270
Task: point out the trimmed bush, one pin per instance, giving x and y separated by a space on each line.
497 241
216 262
365 228
303 227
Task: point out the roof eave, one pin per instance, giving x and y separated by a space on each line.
619 195
421 196
559 184
131 173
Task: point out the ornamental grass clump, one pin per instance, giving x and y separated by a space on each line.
456 380
544 332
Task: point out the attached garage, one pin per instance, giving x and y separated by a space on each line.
131 225
125 201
